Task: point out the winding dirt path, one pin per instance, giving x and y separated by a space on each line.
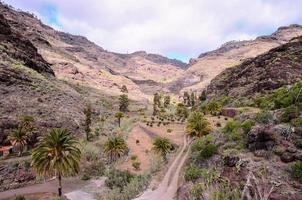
167 189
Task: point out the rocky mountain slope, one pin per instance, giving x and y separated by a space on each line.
76 59
280 66
208 65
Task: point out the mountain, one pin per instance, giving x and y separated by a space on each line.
279 67
76 59
208 65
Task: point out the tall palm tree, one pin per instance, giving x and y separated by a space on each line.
57 153
197 125
119 116
162 146
18 138
115 147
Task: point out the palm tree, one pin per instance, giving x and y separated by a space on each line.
57 153
119 116
18 138
115 147
162 146
197 125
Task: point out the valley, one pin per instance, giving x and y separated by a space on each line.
81 122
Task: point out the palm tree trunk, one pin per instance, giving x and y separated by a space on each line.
119 122
60 185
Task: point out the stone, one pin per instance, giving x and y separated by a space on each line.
287 157
261 137
230 161
229 112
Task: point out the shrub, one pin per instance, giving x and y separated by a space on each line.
136 165
91 152
263 117
208 151
197 190
133 157
192 173
218 124
232 130
199 144
85 177
169 130
298 143
118 179
20 197
247 125
96 168
289 113
296 170
297 122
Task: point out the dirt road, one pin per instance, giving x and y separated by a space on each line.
69 184
168 187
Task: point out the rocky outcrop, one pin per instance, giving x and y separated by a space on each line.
261 137
280 66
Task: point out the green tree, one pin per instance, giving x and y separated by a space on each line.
88 113
197 125
162 146
115 147
119 116
214 107
192 99
57 153
203 96
18 138
124 103
181 110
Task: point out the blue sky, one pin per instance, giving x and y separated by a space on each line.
179 29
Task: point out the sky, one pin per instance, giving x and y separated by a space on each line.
180 29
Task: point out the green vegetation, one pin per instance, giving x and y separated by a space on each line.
136 165
285 97
208 151
232 130
20 197
124 89
87 112
182 111
18 138
296 170
115 147
57 153
167 100
162 146
90 151
264 117
197 125
96 168
124 103
119 116
118 179
298 143
247 125
290 113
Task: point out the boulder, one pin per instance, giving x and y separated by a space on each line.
287 157
261 137
229 112
230 161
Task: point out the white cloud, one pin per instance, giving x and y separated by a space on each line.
183 27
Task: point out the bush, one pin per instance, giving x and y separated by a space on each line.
247 125
20 197
218 124
136 165
192 173
91 152
118 179
96 168
296 170
199 144
197 190
298 143
208 151
289 113
85 177
133 157
169 130
297 122
263 117
232 130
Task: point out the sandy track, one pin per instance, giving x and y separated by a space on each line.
167 189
